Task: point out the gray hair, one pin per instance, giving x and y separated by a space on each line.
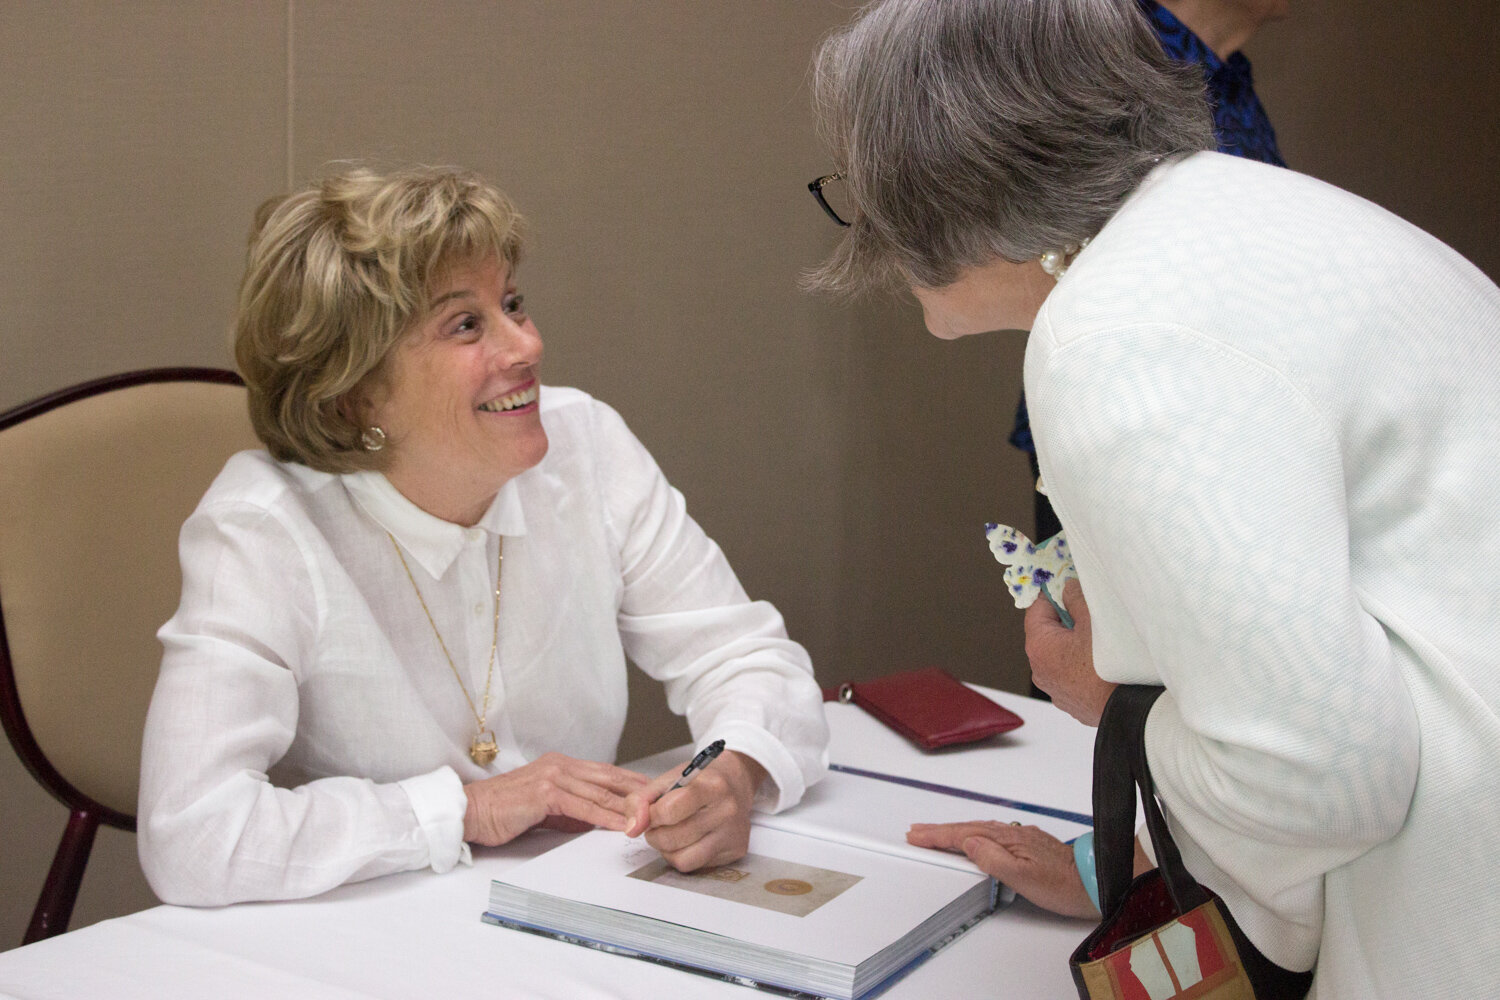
968 130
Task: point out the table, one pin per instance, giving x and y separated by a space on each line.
419 934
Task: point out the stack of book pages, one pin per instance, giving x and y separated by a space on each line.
830 901
802 915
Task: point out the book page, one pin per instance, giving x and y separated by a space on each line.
875 815
887 897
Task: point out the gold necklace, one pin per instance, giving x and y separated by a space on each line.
483 748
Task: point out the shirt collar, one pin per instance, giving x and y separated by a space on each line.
431 541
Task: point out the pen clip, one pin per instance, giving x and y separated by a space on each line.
702 759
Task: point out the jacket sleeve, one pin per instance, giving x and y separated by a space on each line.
1204 497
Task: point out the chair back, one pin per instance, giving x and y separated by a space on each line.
95 482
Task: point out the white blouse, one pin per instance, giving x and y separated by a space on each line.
306 728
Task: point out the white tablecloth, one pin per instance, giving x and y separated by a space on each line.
419 934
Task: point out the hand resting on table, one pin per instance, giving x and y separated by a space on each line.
555 791
1031 861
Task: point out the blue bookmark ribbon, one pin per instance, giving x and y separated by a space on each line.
964 793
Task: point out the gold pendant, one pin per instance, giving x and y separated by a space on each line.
483 749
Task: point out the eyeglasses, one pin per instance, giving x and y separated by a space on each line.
839 195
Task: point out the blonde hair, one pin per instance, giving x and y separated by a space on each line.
335 276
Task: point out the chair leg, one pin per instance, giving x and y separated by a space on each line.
55 906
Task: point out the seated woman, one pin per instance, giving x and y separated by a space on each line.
404 625
1265 413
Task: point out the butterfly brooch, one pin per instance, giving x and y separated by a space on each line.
1033 570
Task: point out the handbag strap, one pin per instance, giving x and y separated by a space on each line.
1119 769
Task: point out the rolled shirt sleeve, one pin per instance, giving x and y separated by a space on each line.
439 804
725 661
213 828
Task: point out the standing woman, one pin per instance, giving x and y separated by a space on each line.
1265 412
404 625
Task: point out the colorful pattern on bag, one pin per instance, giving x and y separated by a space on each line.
1190 958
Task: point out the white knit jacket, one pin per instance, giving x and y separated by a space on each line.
1266 411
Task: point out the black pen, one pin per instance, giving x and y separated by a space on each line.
704 758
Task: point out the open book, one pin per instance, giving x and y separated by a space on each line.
830 902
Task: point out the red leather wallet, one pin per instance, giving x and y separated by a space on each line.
929 707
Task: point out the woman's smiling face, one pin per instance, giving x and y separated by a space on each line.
459 397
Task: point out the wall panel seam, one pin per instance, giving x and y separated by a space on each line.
291 90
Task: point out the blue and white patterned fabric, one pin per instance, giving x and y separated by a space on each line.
1239 120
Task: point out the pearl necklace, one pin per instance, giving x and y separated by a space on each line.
483 748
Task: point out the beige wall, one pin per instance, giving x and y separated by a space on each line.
1399 103
843 459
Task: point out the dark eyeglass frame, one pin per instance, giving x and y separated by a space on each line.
816 187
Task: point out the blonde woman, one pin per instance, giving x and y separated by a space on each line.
404 624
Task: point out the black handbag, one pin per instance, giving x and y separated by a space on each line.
1163 934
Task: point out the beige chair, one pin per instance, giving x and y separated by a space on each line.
95 482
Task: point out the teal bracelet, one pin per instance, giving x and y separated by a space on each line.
1083 857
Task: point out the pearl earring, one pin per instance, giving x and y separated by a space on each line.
372 438
1055 262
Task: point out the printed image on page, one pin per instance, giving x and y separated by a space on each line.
771 883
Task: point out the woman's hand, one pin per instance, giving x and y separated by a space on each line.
705 822
554 791
1062 658
1035 864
